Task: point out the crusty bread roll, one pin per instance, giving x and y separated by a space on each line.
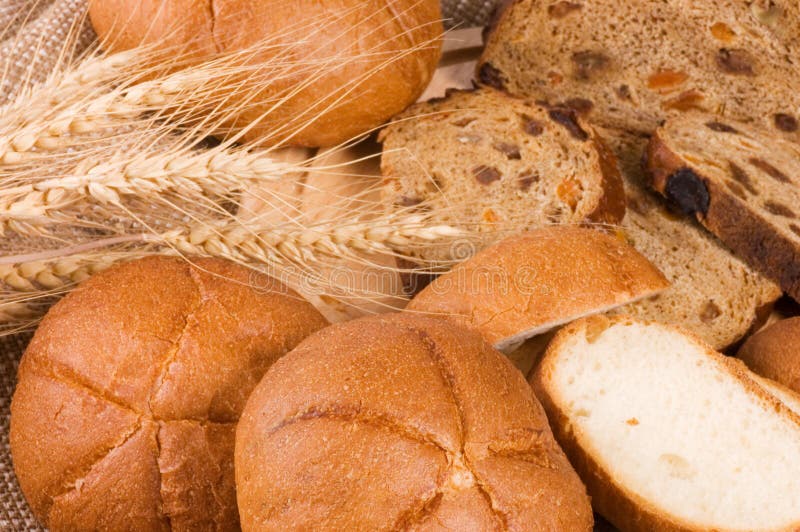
774 353
401 421
128 396
373 60
535 281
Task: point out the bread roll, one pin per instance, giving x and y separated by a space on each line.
128 396
532 282
774 353
401 422
367 70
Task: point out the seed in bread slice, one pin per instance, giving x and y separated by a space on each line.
713 294
533 282
632 64
740 182
668 434
489 161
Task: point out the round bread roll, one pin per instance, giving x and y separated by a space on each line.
401 421
533 282
774 353
128 396
373 60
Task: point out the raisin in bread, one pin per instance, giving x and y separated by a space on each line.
668 434
485 160
739 181
633 63
712 294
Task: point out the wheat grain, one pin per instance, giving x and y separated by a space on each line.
34 109
244 244
192 174
305 245
61 272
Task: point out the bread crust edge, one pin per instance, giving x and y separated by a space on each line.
749 236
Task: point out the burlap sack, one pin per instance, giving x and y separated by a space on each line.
32 33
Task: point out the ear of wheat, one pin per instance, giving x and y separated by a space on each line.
105 162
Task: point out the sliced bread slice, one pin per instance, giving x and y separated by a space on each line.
530 283
712 293
635 63
740 182
489 161
668 434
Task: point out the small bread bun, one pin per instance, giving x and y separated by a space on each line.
128 396
374 59
774 353
401 422
532 282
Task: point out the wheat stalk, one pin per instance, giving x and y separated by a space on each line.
305 245
153 192
29 120
292 255
32 276
216 172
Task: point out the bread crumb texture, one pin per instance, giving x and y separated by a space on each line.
491 162
129 393
637 63
669 434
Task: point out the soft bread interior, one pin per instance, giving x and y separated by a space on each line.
672 424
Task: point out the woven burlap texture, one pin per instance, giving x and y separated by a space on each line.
32 32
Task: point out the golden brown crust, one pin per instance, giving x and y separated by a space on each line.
132 386
539 279
773 353
449 417
620 506
180 26
377 83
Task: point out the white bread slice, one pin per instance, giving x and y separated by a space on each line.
666 433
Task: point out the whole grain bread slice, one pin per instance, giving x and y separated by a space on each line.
487 160
668 434
631 64
741 182
713 294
